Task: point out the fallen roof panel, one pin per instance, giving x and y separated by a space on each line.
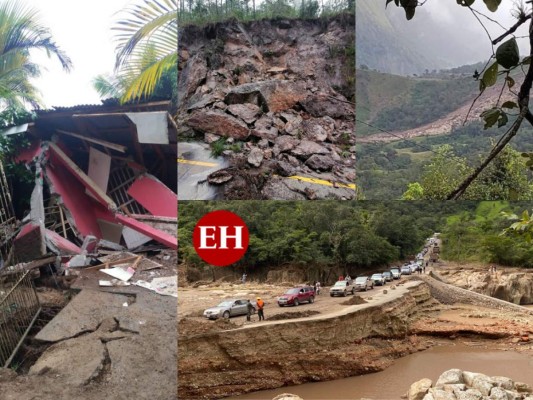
159 236
154 196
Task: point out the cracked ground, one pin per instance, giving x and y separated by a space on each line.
104 345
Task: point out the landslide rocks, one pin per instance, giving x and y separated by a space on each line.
279 96
455 384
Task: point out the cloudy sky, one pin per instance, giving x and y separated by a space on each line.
448 11
83 30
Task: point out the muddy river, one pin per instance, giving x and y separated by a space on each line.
395 380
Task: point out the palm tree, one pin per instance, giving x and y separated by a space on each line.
147 47
21 32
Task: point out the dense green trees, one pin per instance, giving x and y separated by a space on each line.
356 236
206 11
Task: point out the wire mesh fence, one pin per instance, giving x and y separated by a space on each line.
19 308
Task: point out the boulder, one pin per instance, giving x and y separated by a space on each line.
497 393
219 177
418 390
255 157
192 76
320 105
265 133
293 126
306 148
523 387
469 394
219 123
320 163
286 143
313 130
503 382
270 95
450 377
483 383
439 394
287 396
247 112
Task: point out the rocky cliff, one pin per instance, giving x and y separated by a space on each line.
277 99
512 285
365 340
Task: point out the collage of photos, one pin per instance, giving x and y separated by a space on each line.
266 200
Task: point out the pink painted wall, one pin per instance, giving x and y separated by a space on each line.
155 197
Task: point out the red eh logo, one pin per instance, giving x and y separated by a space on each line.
220 238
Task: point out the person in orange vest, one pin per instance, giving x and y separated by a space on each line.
260 306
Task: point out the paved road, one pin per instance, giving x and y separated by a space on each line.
194 165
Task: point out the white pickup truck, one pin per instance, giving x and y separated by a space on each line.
342 288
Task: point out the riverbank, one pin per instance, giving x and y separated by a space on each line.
357 340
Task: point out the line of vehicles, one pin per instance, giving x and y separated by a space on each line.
306 294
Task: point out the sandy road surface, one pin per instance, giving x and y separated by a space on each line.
193 301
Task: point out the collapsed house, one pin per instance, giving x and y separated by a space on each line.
104 176
105 182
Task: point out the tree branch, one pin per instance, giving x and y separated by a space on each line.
525 113
512 29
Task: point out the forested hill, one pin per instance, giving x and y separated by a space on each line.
388 43
358 236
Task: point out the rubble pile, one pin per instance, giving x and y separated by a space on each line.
104 182
279 98
465 385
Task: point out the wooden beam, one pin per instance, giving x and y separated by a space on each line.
104 143
98 193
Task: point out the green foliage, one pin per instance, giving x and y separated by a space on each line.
20 36
504 179
201 12
323 235
476 236
147 36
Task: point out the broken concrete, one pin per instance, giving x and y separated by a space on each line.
83 314
76 361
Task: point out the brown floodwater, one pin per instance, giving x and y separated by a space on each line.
395 380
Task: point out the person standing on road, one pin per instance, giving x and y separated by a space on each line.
260 307
341 278
424 267
250 309
348 278
317 288
244 278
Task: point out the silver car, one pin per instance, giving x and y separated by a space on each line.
363 283
229 308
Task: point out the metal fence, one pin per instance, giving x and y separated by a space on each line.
19 308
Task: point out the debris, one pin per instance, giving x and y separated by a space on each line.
119 273
166 286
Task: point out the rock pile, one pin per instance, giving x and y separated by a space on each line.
279 98
455 384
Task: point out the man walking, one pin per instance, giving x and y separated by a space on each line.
260 306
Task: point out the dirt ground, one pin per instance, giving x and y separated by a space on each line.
193 301
118 343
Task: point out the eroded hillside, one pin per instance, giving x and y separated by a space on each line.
276 99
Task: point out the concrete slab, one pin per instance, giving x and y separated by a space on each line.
83 314
76 361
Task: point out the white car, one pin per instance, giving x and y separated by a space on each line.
342 288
